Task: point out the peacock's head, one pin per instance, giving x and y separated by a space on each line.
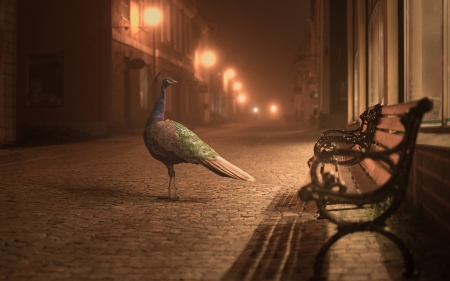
168 81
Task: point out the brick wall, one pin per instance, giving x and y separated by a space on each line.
429 185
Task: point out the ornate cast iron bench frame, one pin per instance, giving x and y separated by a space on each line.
362 136
368 171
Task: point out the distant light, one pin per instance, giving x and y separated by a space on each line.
152 16
273 108
241 98
255 109
208 58
237 86
229 73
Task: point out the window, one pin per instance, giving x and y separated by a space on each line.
45 79
187 36
178 30
125 9
355 61
375 56
165 27
424 56
143 88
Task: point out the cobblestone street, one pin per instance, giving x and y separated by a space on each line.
90 211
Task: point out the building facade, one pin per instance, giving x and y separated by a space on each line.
320 86
396 51
89 66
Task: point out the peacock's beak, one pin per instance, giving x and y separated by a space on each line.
174 81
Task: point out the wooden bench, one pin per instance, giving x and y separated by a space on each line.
368 173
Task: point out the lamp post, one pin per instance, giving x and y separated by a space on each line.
153 17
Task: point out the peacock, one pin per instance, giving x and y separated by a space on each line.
172 143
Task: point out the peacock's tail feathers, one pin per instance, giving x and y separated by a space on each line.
224 168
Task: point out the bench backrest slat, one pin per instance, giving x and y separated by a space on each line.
391 123
398 109
386 139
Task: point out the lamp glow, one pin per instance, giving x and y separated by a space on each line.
152 16
208 58
229 73
255 109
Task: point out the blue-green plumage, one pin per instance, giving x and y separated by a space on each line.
172 143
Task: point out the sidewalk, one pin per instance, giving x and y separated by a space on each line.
89 211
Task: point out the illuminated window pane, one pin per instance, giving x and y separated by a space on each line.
375 57
424 59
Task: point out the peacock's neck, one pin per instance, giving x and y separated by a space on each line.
159 109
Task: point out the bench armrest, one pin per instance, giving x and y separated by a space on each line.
329 143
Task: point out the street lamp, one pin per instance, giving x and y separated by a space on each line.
152 16
208 58
241 98
237 86
229 73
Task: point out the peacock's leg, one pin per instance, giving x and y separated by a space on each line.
176 197
171 172
170 185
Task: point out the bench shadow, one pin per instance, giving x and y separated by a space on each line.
283 246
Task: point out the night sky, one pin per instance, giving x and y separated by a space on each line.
261 40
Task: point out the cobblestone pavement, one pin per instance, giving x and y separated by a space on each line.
90 211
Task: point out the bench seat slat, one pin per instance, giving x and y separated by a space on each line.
376 171
362 181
